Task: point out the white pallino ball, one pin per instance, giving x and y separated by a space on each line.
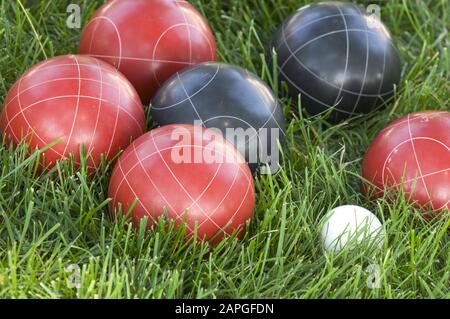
350 224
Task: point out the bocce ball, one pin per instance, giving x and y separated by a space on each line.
336 56
412 154
230 99
189 174
73 101
350 225
148 41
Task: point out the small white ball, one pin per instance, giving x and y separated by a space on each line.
349 224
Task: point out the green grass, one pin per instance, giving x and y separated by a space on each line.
59 218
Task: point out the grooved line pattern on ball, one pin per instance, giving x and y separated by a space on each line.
415 156
293 56
157 43
116 120
347 49
189 98
22 109
76 106
411 140
365 72
124 178
341 89
99 102
153 59
179 216
40 68
152 182
78 97
184 190
19 102
188 31
302 26
193 94
382 77
117 32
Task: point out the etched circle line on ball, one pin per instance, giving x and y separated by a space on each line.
194 201
176 62
203 87
19 92
421 175
300 27
189 33
252 133
179 216
292 54
40 68
47 65
247 142
412 154
100 105
270 111
208 217
57 97
119 57
178 24
314 74
189 97
408 119
76 110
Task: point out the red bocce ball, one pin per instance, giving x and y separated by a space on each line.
74 101
190 173
148 40
413 151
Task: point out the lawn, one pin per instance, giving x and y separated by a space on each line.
58 241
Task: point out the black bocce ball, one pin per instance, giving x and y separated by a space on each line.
227 98
335 55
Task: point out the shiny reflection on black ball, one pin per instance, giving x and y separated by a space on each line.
230 99
336 56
